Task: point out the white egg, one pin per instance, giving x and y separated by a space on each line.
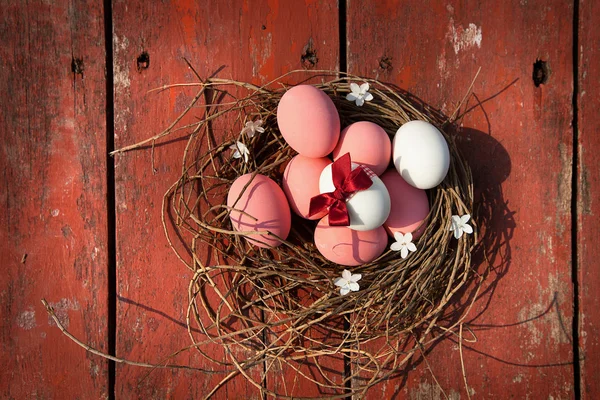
368 209
421 154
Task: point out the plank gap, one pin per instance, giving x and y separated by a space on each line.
343 39
110 198
574 201
347 365
264 337
342 11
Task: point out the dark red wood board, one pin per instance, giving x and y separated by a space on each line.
53 239
519 142
519 145
240 40
588 195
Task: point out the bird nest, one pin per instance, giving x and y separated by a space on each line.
278 308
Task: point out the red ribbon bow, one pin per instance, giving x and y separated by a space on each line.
347 182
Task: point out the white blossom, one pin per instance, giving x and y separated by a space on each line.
348 282
359 94
403 244
459 225
240 150
252 127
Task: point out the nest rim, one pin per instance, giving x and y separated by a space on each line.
256 278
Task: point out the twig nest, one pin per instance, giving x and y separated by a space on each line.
324 290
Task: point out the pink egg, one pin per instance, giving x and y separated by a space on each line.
308 121
344 246
266 202
301 182
368 144
409 205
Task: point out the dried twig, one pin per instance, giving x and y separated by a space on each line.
119 360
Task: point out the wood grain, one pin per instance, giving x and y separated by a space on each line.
252 41
519 144
53 240
588 196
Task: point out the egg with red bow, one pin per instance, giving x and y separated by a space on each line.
366 208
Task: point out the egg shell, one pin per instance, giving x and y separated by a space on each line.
410 205
266 202
368 209
308 121
368 144
344 246
301 182
421 154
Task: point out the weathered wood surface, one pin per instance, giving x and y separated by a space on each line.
251 41
519 143
53 235
588 196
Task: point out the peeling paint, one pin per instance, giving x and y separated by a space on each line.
61 309
543 319
121 72
95 253
442 65
26 320
585 204
121 78
261 55
428 391
463 39
120 44
563 204
94 369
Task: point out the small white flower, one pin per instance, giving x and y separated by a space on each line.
359 94
403 244
240 150
252 127
348 282
459 225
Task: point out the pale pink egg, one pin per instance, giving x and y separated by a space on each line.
301 182
266 202
368 144
409 205
344 246
308 121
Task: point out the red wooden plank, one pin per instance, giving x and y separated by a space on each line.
53 241
588 196
519 144
254 41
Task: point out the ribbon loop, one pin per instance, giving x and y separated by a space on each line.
346 182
